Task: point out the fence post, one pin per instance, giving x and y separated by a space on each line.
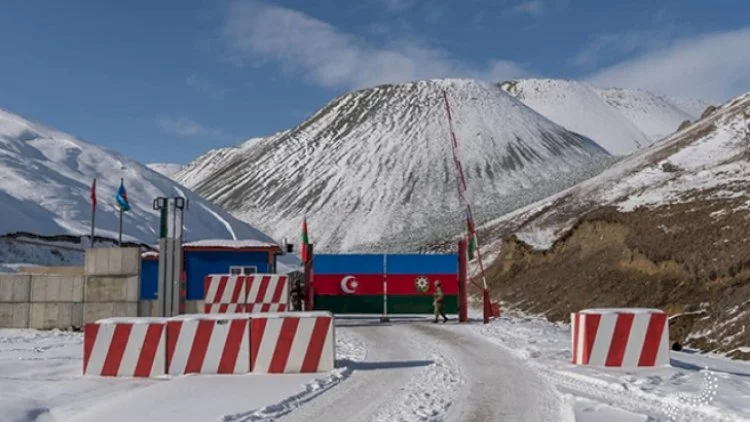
487 305
463 303
385 318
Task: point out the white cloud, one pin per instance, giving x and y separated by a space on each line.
659 30
204 86
529 7
713 66
398 5
184 126
321 53
609 43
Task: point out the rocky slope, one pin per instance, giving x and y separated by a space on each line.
667 228
374 167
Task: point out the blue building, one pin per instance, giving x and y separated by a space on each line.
205 257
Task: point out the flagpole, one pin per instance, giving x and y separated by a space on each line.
93 210
119 239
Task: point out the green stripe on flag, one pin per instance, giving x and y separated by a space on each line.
374 304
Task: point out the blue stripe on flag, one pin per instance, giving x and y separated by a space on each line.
422 264
347 264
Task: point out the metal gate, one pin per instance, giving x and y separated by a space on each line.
384 283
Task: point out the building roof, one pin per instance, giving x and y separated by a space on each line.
223 244
230 244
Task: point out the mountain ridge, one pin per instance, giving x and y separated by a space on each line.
47 174
620 120
329 166
665 228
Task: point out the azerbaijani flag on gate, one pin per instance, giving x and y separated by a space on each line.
305 242
353 283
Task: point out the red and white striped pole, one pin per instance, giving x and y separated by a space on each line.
462 189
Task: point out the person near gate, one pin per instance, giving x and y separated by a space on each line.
297 294
438 297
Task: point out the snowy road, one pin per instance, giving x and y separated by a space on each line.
420 371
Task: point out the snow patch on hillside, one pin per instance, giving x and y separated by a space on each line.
620 120
375 166
46 177
166 169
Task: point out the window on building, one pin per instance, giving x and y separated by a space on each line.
242 270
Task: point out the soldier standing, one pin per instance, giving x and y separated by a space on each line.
297 294
438 303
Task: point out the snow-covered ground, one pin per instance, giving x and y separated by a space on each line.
516 368
664 394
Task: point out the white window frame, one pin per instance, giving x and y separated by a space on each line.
243 269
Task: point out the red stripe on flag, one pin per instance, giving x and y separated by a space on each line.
199 347
257 328
237 328
591 322
653 337
619 343
283 345
92 194
282 307
90 332
174 328
315 347
148 352
116 349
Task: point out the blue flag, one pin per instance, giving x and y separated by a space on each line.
122 197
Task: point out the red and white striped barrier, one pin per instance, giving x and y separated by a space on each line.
622 338
208 344
225 294
299 342
267 293
125 347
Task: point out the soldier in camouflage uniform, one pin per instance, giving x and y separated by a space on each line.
438 302
297 294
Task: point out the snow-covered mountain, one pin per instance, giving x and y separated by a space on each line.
45 178
375 165
167 169
665 227
620 120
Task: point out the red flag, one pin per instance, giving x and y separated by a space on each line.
93 194
305 242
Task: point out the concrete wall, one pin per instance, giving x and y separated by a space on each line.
52 270
15 294
109 288
56 301
112 283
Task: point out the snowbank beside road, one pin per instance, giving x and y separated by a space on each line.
40 372
625 395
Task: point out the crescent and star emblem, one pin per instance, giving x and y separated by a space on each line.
349 284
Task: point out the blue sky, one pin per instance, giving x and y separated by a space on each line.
166 80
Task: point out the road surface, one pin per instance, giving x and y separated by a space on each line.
416 370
